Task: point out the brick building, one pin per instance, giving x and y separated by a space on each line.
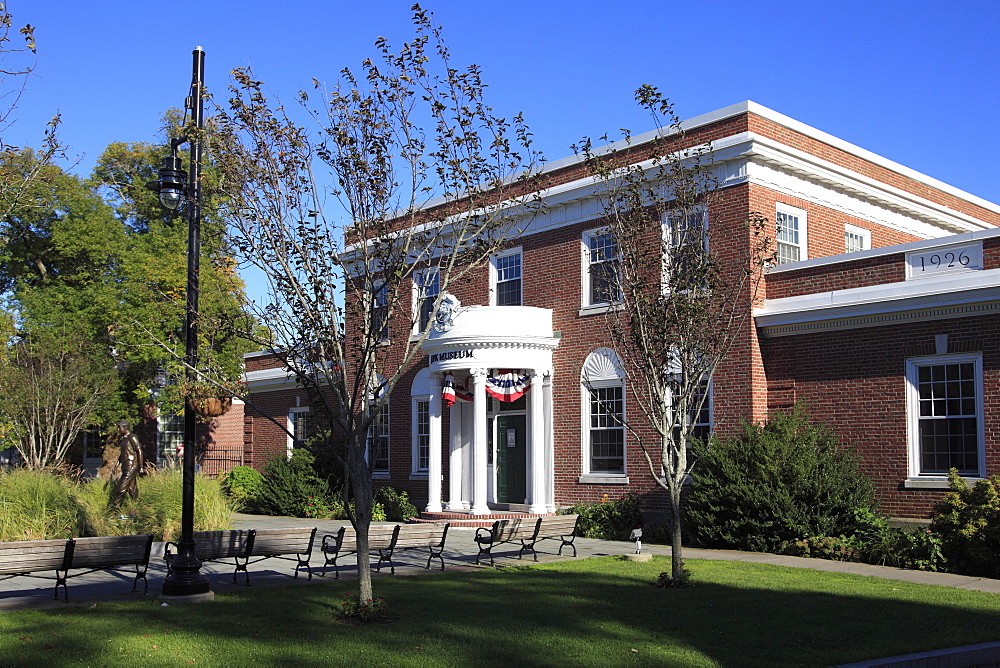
881 316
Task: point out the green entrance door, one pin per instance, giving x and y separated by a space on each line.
512 436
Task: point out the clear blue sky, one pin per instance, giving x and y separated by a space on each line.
916 82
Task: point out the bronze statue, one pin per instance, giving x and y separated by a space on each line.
131 462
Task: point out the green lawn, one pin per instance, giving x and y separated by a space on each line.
582 613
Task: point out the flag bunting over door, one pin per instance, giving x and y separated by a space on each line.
507 385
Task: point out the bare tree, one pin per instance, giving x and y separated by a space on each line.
427 182
682 290
50 392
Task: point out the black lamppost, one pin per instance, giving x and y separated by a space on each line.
174 187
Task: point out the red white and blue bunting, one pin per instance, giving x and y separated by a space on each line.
449 394
507 385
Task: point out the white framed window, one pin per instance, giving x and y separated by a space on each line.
378 441
298 427
169 436
790 234
686 236
426 287
420 423
505 278
700 418
421 434
92 445
601 270
379 312
945 415
603 411
856 238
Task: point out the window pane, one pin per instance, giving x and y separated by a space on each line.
423 435
948 420
607 433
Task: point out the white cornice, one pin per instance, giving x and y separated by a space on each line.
747 157
959 295
272 379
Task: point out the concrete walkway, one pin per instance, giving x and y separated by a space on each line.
460 554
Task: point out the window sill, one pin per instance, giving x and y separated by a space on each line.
380 475
603 479
419 475
934 483
598 309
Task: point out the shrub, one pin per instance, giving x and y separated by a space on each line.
396 504
243 485
774 484
610 520
36 505
355 610
290 485
968 522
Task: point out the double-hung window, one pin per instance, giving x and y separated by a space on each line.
169 436
686 238
506 275
378 440
422 435
945 406
791 234
856 238
607 429
298 425
379 313
427 285
601 251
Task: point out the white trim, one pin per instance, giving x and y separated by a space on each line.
947 296
415 469
913 364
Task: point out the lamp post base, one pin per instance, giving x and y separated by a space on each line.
191 598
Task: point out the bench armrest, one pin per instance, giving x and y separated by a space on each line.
484 535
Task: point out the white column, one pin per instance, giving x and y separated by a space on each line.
479 443
434 453
455 463
537 491
550 456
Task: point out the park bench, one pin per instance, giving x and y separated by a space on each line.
244 547
528 531
416 536
380 537
104 553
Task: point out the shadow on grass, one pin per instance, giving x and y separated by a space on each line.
593 612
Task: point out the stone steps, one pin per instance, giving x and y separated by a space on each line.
466 519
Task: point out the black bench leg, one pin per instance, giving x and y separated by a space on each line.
303 563
242 567
565 543
527 546
140 574
482 551
438 555
61 580
382 556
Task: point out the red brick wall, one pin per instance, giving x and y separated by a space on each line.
855 273
854 382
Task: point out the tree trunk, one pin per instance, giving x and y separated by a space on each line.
362 489
676 549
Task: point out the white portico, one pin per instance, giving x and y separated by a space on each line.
499 451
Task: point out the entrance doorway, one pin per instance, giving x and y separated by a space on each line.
512 439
